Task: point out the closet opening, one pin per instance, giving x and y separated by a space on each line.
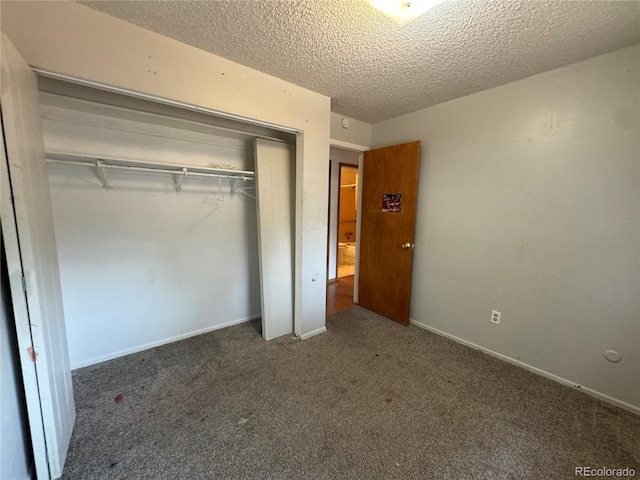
158 219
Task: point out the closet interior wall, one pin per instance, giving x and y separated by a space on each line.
141 263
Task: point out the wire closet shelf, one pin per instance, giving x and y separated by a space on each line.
179 171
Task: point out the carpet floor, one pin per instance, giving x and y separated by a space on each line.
369 399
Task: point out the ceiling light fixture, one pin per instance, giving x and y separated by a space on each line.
403 11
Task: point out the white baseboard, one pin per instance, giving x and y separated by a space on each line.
526 366
313 333
164 341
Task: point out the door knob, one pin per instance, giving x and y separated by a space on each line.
408 245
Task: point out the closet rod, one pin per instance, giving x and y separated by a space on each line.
141 165
182 171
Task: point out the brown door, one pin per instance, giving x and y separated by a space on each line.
389 197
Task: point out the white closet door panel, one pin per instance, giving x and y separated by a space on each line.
274 182
21 316
27 226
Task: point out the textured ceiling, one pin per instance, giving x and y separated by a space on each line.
374 69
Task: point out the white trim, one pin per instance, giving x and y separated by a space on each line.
526 366
348 146
299 156
313 333
356 273
147 346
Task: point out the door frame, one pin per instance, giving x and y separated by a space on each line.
360 149
297 147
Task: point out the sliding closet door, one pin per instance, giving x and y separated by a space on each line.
32 261
274 182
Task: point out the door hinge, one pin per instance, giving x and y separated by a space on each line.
24 285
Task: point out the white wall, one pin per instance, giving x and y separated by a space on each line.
142 265
529 204
15 448
337 156
358 134
72 39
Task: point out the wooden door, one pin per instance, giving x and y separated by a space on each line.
389 199
32 261
274 183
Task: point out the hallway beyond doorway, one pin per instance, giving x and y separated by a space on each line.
340 295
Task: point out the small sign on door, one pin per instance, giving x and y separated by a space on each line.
391 202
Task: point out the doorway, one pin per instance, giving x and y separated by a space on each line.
347 221
343 229
339 157
386 213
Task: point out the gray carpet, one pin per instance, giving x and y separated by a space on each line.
370 399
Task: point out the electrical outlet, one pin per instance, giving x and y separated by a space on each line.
495 317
